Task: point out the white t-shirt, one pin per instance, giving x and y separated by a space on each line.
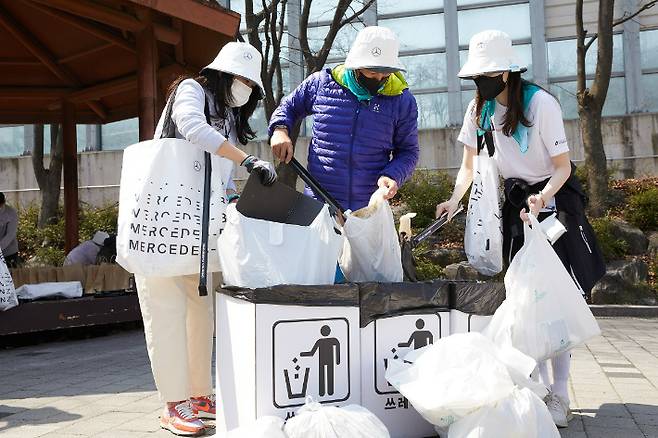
546 139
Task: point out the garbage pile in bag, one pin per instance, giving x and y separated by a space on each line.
314 420
262 247
479 384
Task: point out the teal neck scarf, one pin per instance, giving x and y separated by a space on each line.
354 86
521 132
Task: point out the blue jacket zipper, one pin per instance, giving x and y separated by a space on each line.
349 169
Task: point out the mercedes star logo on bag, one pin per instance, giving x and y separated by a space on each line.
197 166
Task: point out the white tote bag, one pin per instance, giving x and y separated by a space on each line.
544 310
7 292
161 206
372 251
483 237
258 253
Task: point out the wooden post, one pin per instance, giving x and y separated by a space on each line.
147 69
70 141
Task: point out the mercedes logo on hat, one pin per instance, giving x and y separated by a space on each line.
376 51
247 55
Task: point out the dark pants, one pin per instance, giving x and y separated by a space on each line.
12 260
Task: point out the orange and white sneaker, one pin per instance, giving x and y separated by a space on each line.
181 420
204 407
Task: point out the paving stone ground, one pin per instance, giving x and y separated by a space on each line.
103 388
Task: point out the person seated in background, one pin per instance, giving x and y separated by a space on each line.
8 229
85 253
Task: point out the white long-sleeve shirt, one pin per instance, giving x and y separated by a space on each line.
191 125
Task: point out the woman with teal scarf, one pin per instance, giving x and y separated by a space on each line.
520 125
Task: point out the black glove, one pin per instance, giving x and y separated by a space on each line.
264 169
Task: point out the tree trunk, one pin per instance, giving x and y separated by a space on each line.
595 160
49 180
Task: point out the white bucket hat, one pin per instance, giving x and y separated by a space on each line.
99 238
488 52
241 59
375 48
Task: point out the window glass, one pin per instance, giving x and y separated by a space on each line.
432 110
650 92
562 57
514 20
12 141
615 104
417 33
259 123
119 135
649 48
425 71
397 6
472 2
238 6
344 39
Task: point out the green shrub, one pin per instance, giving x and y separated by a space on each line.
613 247
642 210
423 192
45 246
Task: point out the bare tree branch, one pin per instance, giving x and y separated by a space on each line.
358 13
623 20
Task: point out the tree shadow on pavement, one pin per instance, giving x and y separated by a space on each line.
11 417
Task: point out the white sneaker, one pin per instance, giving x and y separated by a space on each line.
559 410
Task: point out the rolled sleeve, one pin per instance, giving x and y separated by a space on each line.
468 133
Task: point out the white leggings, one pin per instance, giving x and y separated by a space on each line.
560 365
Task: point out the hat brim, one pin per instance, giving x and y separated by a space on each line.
383 70
470 71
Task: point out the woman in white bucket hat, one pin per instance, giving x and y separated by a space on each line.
212 112
520 125
365 132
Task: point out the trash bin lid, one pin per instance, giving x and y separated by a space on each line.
379 300
477 298
277 203
298 295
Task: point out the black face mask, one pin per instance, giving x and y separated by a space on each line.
371 84
489 87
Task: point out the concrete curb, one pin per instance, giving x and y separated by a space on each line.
618 310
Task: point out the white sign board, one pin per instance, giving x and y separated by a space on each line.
392 338
461 322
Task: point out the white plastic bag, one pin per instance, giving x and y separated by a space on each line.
316 421
456 376
520 415
264 427
161 205
64 289
372 251
483 236
257 253
8 297
544 313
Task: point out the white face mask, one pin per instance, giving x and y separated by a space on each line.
240 93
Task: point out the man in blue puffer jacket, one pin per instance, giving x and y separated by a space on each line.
365 132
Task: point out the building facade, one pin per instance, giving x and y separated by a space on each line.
434 36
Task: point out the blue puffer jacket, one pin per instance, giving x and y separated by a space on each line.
353 143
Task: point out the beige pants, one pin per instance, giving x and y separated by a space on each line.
178 325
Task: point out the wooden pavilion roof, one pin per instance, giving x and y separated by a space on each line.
84 52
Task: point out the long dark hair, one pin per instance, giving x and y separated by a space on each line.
219 83
515 111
